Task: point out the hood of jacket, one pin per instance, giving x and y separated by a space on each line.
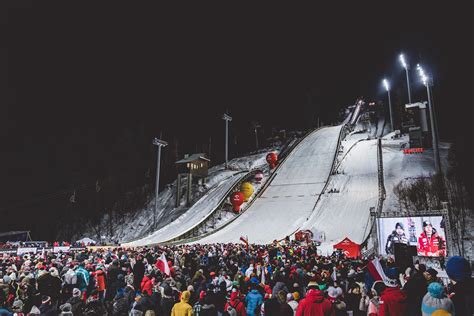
316 296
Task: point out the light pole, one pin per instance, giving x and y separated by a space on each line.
159 143
256 126
227 119
387 87
407 67
428 82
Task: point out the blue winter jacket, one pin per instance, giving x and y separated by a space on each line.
252 301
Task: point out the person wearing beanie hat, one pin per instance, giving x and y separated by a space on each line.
415 288
430 275
17 306
393 301
235 303
338 305
290 298
253 300
397 236
77 304
436 300
461 290
66 309
183 308
46 308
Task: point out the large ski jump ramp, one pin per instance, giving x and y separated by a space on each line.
291 197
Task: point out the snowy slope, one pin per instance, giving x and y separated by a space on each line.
193 216
290 198
399 166
132 226
346 212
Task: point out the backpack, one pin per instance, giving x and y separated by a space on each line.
231 310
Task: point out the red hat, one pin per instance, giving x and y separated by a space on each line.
202 295
212 273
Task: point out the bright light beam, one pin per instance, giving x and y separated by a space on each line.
385 83
402 60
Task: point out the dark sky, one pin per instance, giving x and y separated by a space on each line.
76 74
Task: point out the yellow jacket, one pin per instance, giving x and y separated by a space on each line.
183 308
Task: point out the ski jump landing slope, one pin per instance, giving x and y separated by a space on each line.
347 212
290 198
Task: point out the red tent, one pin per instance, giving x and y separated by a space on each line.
350 248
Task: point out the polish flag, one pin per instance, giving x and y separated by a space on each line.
245 241
162 264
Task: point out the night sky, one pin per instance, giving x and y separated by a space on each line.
78 80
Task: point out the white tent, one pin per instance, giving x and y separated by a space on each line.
86 241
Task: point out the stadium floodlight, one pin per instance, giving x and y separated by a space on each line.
422 74
407 67
387 87
159 143
385 84
227 119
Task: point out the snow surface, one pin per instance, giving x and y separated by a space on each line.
346 213
195 215
290 198
134 225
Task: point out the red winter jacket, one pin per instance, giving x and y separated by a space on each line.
146 286
393 302
237 303
100 277
433 246
314 304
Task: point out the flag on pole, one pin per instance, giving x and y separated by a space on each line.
245 241
162 264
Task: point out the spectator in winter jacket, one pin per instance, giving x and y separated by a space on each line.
138 272
100 279
253 300
461 291
56 285
377 288
120 305
146 285
236 302
83 278
207 308
415 288
76 302
393 301
290 298
315 304
167 300
46 308
183 308
436 300
334 296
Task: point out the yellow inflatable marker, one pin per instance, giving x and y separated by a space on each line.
247 189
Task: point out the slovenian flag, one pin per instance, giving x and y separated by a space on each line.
375 273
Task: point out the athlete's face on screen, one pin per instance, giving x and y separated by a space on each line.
428 229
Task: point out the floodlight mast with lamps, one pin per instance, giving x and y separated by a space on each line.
428 82
159 143
407 67
387 87
227 119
